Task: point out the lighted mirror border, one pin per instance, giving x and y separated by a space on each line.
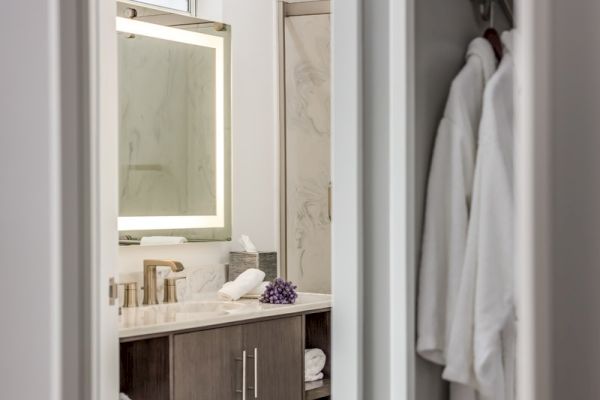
127 25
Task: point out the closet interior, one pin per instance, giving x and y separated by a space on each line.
444 31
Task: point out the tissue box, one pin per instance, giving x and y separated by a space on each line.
239 261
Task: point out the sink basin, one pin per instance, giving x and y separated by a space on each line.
205 307
177 312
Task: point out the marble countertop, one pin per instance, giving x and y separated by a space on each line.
206 311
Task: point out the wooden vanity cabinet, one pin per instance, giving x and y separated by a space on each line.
207 364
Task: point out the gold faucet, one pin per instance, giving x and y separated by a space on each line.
150 277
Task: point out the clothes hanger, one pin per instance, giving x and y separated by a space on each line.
491 34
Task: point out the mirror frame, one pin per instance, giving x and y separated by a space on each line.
171 222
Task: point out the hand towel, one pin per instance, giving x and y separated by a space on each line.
162 240
314 362
257 291
243 284
312 378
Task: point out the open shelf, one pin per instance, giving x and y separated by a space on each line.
317 389
318 335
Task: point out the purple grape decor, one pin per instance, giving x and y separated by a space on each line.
279 292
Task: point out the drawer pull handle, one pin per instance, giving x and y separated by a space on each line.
256 373
244 375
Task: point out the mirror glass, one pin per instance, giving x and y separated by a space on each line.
173 131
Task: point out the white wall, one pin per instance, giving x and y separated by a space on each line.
30 201
255 145
559 198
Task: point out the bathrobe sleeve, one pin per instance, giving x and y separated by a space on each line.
444 237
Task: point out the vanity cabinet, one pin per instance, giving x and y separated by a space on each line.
208 363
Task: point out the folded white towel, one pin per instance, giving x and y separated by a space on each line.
257 291
314 362
162 240
312 378
244 283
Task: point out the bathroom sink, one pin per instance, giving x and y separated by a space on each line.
206 307
177 312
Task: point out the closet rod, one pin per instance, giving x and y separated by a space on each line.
486 10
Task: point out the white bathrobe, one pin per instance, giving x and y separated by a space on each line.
448 203
481 352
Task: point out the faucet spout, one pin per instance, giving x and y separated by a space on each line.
150 296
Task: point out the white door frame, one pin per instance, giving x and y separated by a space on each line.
403 270
533 198
346 228
348 267
103 173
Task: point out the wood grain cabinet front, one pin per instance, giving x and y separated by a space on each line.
276 363
261 360
207 364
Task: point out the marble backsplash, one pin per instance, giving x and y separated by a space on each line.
200 281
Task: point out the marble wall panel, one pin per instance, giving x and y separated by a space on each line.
308 137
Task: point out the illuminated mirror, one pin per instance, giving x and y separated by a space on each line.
174 177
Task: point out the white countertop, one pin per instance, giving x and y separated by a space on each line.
208 311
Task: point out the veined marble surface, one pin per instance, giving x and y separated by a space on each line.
166 128
307 56
208 311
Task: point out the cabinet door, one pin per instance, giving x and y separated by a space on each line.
279 362
206 364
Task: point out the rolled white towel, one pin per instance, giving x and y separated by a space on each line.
314 362
257 291
243 284
162 240
312 378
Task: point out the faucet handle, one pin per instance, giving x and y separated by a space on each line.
130 298
171 289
